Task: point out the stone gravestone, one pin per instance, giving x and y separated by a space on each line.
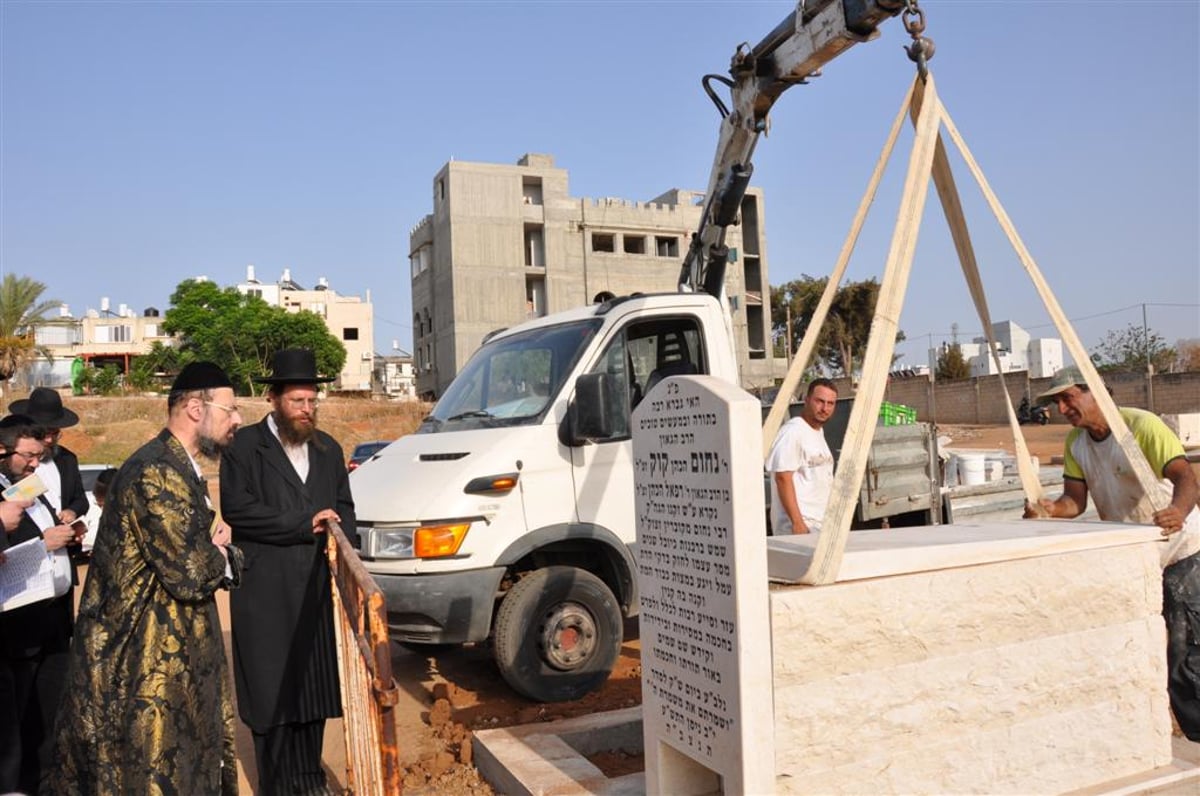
708 723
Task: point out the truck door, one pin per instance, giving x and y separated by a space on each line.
637 358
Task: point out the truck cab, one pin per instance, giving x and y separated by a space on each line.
509 514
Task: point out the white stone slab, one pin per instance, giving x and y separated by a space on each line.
706 667
1030 675
874 554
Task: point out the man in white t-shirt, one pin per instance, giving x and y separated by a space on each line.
1095 466
801 464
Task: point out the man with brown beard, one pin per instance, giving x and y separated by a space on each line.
281 482
147 707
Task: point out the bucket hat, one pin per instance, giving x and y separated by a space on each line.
45 407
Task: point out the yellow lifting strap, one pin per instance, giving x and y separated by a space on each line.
927 160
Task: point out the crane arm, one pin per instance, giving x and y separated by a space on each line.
816 32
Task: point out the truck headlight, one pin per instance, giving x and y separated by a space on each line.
387 542
412 541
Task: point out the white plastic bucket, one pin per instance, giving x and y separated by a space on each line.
970 468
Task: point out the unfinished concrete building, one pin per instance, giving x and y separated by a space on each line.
505 243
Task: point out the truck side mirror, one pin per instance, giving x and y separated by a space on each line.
593 409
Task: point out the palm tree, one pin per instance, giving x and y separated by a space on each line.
22 311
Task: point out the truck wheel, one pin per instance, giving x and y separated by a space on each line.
558 634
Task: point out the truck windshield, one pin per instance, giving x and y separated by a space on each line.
513 380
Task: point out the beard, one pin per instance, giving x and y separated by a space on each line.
7 472
291 433
49 452
210 447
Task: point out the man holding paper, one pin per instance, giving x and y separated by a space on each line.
33 637
59 467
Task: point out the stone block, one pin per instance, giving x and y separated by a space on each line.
1039 674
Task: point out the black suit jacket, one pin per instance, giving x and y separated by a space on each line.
74 496
285 665
37 628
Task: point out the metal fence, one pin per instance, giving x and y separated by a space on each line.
365 664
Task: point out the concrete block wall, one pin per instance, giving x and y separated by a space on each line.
1039 675
981 401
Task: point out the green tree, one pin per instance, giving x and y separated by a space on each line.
843 340
149 371
1128 348
242 332
1187 354
106 380
951 364
22 311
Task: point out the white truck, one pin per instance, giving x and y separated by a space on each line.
509 515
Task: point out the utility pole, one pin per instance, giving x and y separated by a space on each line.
1149 364
787 343
932 382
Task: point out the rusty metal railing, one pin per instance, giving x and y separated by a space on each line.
365 666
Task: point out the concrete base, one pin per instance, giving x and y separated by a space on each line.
512 761
551 757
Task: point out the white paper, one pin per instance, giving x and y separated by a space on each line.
26 576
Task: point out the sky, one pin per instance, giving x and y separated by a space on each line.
144 143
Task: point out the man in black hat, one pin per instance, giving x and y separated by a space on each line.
281 482
34 638
147 707
59 468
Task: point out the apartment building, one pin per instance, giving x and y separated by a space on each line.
350 319
108 337
508 242
100 338
1016 350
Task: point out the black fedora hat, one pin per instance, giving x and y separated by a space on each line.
46 408
294 366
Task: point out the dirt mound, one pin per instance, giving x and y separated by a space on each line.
112 428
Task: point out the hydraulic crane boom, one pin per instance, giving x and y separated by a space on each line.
814 34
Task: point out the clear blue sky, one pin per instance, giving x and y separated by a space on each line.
143 143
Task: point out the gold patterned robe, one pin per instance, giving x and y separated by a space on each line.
147 707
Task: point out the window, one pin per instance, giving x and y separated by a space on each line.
535 249
441 189
603 242
635 244
642 355
666 246
114 334
350 333
531 190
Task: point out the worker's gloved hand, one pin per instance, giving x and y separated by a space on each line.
1039 510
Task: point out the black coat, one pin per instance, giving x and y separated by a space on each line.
74 496
39 628
284 650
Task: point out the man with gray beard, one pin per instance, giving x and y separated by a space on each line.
281 482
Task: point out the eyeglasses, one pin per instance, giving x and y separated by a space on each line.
29 457
297 403
232 410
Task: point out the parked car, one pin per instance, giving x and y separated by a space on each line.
364 451
90 472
